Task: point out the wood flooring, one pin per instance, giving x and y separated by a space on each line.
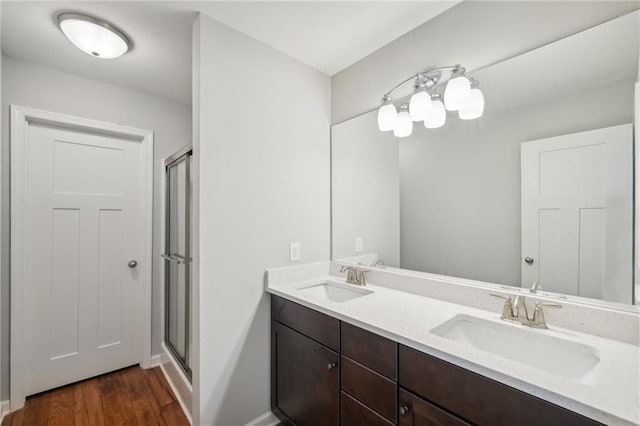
131 396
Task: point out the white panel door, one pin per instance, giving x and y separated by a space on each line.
577 213
84 219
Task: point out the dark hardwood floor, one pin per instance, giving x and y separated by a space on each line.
131 396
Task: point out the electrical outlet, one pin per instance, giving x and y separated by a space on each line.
294 252
359 244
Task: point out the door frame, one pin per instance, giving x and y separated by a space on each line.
21 117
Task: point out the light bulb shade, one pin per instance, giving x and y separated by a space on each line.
419 105
474 108
457 92
94 37
387 117
437 115
404 125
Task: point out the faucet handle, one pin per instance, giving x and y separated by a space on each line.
507 308
360 277
538 320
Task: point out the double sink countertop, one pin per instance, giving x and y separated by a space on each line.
609 392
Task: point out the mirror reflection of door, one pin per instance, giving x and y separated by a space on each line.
577 213
177 259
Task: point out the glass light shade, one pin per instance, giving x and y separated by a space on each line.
437 115
457 93
93 37
404 125
419 105
387 117
474 108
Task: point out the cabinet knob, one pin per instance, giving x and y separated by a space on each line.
331 366
404 410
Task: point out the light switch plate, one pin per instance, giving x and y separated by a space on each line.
359 245
294 252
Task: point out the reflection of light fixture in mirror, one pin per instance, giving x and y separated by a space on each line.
430 101
475 107
404 124
458 90
387 115
94 36
437 115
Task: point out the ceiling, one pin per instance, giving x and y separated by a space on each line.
328 36
159 64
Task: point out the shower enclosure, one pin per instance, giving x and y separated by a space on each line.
177 258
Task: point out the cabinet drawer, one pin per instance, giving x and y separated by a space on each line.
320 327
476 398
354 413
372 389
370 350
419 412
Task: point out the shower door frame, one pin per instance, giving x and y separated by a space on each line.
187 150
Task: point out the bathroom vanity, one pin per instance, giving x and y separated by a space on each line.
377 355
329 372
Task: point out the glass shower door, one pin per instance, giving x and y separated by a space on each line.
178 258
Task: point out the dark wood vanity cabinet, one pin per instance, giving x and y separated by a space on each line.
327 372
305 372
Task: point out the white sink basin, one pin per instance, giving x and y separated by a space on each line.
335 292
560 357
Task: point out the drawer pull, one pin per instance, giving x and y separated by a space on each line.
404 410
331 366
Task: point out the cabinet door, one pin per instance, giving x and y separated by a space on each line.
418 412
306 377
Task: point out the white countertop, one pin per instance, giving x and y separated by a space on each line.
610 394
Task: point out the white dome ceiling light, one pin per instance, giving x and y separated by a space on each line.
94 36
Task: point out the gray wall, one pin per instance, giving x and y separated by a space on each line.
34 86
262 138
460 184
365 182
471 33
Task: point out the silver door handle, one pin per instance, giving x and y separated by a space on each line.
132 263
172 259
529 260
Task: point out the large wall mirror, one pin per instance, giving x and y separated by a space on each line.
539 189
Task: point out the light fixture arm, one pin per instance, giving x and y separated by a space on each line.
417 75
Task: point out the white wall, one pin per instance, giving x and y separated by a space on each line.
263 148
471 33
34 86
365 181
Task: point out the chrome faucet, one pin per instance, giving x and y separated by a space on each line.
516 311
355 275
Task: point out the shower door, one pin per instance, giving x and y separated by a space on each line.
177 258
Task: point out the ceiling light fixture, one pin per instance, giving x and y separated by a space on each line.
458 92
94 36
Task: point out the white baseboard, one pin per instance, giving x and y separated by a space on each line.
5 408
178 382
267 419
156 361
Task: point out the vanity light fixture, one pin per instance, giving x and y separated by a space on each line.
404 124
94 36
431 99
475 107
387 115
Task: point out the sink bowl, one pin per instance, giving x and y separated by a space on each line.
335 292
557 356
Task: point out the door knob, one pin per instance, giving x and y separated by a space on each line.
132 263
404 410
529 260
331 366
